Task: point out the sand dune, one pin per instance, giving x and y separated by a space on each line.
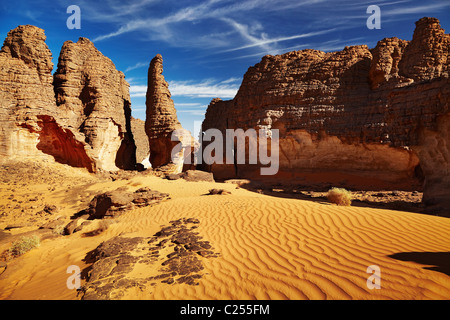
270 248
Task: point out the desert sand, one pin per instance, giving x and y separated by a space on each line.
269 246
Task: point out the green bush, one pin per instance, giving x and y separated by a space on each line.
23 245
340 196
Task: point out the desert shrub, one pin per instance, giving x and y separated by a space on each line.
339 196
59 229
23 245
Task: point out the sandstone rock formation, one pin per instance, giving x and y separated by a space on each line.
113 203
87 125
28 112
95 98
141 142
163 129
191 175
360 117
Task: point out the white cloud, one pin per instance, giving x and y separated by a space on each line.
192 105
247 33
136 66
150 24
417 9
231 80
204 89
194 112
264 41
171 27
138 108
138 90
130 26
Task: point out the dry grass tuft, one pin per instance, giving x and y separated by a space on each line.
340 196
24 245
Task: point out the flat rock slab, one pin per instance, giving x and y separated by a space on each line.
219 192
113 203
174 255
192 175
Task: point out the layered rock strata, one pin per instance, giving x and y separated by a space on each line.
30 126
163 129
80 117
360 117
95 99
141 141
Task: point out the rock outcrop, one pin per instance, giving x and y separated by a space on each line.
30 126
141 142
113 203
87 125
174 256
360 117
95 98
163 129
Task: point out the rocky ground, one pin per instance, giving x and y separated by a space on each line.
173 255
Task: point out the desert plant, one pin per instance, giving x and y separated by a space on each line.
23 245
339 196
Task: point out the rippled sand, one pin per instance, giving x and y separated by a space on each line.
270 248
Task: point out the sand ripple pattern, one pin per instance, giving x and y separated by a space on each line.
291 249
270 248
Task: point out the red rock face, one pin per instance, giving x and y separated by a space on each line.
28 112
358 117
89 123
61 144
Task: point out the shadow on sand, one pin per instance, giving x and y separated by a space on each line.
313 194
440 261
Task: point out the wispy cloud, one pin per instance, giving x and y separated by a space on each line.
232 80
112 10
203 89
171 27
327 46
417 9
247 32
194 112
150 24
264 41
193 109
138 91
136 66
193 105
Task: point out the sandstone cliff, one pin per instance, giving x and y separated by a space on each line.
95 98
141 140
163 129
30 126
360 117
87 125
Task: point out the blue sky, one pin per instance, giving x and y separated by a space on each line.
208 45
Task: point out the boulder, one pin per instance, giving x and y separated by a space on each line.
114 203
197 175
